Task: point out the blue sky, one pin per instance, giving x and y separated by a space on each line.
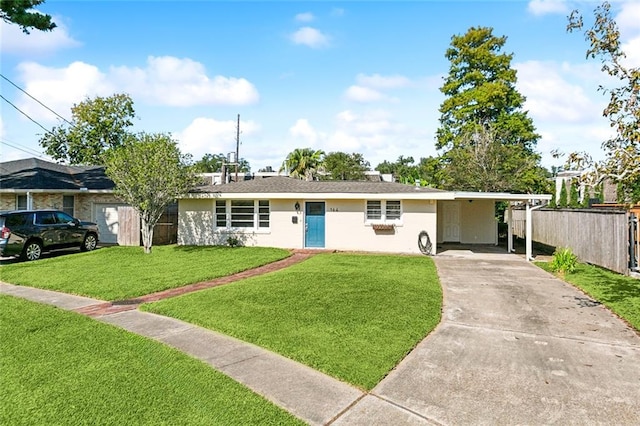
351 76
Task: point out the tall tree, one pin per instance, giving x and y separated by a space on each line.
21 12
403 169
622 161
149 173
212 163
343 166
303 163
97 126
480 92
484 163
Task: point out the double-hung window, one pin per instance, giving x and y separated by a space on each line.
383 211
242 214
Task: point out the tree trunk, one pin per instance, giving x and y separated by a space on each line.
147 236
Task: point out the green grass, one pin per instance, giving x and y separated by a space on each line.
114 273
60 368
351 316
619 293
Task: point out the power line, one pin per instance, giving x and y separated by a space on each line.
26 93
25 114
33 152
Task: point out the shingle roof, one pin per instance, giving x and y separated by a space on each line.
32 173
281 184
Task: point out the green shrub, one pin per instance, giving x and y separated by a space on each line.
564 260
562 199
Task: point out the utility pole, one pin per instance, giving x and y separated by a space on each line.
237 146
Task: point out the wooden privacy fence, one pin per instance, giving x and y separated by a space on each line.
165 231
600 237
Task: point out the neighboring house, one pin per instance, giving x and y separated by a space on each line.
81 191
338 215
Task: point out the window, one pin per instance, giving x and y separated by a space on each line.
21 202
263 213
45 218
68 204
20 219
221 214
392 210
383 211
243 214
374 210
63 218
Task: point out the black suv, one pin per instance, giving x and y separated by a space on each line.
30 232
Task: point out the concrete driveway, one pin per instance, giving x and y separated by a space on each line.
516 346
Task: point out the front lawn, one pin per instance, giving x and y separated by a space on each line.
619 293
58 367
352 316
115 273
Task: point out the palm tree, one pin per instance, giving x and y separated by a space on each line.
303 163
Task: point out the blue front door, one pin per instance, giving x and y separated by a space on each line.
314 224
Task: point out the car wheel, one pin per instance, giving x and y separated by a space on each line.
32 251
90 242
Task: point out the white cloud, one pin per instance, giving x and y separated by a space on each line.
164 81
565 107
370 87
168 80
554 94
628 19
311 37
14 41
304 132
544 7
369 131
632 50
210 136
383 82
363 94
60 88
304 17
337 12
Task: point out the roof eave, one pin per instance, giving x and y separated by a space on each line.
322 195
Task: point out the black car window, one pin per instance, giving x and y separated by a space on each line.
62 217
20 219
45 218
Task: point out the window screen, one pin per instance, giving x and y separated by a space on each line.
392 210
374 210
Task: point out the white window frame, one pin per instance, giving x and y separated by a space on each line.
225 208
384 212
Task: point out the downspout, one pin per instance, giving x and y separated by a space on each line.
29 201
510 228
529 224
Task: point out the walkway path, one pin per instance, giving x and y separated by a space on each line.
516 345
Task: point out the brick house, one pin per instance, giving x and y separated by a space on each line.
84 192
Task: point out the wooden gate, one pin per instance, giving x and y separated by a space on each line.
128 226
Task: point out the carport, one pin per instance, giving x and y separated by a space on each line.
470 217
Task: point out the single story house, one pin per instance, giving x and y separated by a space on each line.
377 216
84 192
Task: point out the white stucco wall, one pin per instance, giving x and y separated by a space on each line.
477 221
345 227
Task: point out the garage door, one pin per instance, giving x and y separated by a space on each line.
106 216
